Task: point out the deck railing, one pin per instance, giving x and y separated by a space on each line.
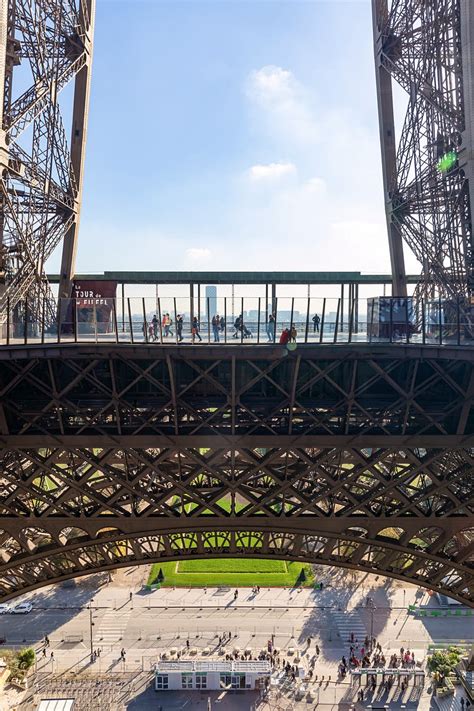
238 321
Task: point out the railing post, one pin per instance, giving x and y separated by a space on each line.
307 320
123 307
114 311
175 318
242 324
423 321
43 311
160 325
74 316
406 319
130 320
351 320
323 316
258 321
336 325
8 320
225 319
145 324
25 334
208 306
440 322
458 319
291 315
58 319
276 316
391 319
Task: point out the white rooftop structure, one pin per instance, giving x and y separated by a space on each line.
56 705
211 674
217 665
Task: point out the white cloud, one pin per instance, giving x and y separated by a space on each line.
271 171
198 254
283 102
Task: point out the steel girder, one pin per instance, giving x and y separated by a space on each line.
425 47
349 456
44 45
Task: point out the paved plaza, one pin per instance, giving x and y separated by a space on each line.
189 623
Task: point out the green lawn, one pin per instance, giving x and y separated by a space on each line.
234 572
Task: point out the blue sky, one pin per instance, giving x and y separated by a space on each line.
229 135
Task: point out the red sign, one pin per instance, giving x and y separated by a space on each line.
94 293
93 302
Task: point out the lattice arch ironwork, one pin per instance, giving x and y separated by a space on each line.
352 456
427 557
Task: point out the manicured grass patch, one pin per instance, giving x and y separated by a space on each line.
232 565
237 573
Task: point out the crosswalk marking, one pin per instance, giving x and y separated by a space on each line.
111 627
347 623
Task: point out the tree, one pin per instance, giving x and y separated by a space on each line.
442 663
26 658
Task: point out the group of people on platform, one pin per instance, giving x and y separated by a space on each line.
154 330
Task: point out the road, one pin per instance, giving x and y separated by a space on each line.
151 623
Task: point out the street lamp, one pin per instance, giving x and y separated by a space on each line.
91 624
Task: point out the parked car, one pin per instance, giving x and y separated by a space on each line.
22 608
4 608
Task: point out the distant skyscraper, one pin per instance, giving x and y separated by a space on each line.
211 294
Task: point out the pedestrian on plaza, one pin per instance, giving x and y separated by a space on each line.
46 641
99 652
52 655
195 326
187 644
179 327
271 327
317 649
44 651
316 321
130 596
216 327
236 594
320 586
155 322
230 635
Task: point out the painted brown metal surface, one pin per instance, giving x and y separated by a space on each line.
359 457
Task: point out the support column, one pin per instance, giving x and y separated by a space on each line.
387 143
78 143
467 160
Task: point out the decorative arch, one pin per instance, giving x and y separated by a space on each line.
80 555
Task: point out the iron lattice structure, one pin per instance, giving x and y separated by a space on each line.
359 457
44 45
426 48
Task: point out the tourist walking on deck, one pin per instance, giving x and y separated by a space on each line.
179 327
155 322
215 327
195 329
271 327
316 321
